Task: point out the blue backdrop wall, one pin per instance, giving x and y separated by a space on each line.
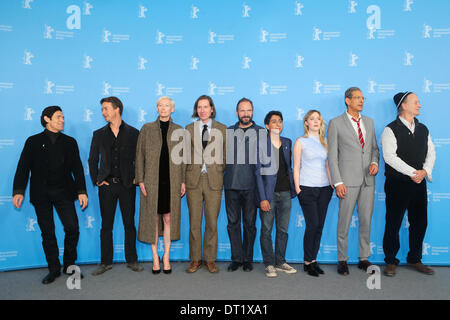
284 55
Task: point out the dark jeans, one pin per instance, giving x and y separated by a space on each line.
237 201
65 208
280 210
402 196
108 196
314 202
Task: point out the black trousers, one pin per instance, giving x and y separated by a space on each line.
402 196
314 202
65 208
108 196
237 201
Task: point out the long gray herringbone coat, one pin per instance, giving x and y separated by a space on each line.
147 170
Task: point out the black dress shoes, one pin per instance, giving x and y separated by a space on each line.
317 268
233 266
364 264
309 268
343 268
247 266
51 277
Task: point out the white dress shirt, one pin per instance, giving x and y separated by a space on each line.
355 125
209 124
363 130
389 146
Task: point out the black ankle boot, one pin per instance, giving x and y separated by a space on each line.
309 268
317 268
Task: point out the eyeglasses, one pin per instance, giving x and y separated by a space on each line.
359 98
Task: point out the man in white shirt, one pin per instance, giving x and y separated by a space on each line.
409 156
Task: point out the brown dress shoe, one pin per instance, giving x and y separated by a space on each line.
343 268
421 268
364 264
194 266
212 267
389 270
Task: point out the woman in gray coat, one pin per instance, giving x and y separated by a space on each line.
161 181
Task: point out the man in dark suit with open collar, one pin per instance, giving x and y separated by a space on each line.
115 145
57 179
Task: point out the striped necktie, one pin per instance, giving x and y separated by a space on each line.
360 135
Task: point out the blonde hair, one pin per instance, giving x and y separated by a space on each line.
172 103
321 129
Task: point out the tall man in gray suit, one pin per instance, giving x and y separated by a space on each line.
353 158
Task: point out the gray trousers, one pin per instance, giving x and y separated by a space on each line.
363 198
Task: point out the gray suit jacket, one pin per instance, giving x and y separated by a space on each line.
349 163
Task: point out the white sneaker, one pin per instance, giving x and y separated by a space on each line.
271 272
286 268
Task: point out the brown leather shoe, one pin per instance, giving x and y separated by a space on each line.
421 268
194 266
364 264
212 267
389 270
343 268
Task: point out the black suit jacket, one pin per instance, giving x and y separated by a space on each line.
35 158
101 152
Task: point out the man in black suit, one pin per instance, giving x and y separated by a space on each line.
57 179
115 144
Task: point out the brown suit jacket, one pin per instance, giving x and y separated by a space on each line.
214 155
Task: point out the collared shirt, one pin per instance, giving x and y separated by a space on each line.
209 124
389 146
241 156
355 125
116 144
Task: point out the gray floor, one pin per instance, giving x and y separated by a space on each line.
122 283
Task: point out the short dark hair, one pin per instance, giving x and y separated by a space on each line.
349 93
211 103
115 102
48 112
271 114
244 100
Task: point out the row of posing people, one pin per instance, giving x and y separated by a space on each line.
352 171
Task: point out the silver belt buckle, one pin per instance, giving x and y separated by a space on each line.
115 180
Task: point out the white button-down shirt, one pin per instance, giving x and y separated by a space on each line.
389 146
355 125
201 124
363 130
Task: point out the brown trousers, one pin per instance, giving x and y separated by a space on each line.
211 199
